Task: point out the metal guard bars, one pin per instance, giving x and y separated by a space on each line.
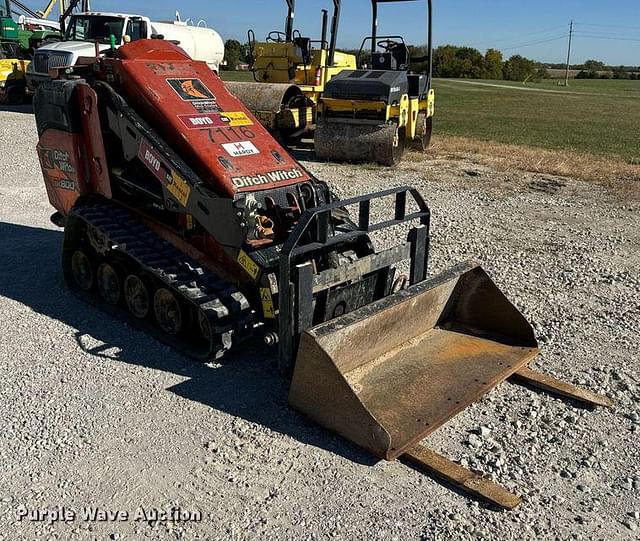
291 320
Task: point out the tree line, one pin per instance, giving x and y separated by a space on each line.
594 69
235 53
468 63
452 61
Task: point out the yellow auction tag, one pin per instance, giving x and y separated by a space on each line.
238 118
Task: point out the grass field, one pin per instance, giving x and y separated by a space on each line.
236 76
591 128
600 117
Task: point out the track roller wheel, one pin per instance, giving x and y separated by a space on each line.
204 326
109 284
82 271
136 295
167 310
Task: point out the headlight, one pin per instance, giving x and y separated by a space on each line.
2 83
30 67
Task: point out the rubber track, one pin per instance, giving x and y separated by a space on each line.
227 310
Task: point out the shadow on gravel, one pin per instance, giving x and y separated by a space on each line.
25 108
247 385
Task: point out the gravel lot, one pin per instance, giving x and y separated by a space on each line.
96 414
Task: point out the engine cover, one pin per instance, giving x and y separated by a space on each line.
190 108
368 85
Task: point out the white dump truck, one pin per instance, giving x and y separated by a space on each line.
84 30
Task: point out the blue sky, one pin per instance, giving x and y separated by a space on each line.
605 29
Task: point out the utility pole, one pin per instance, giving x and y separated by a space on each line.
566 79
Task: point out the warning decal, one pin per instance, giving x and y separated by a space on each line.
248 264
267 303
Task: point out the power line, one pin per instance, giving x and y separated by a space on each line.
511 42
613 38
603 34
532 43
524 34
609 26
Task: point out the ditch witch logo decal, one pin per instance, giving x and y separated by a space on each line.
191 89
56 159
59 170
267 178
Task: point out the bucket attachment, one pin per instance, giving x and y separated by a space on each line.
390 373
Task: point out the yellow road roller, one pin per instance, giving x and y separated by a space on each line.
372 113
290 73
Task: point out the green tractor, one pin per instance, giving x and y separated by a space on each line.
20 39
9 33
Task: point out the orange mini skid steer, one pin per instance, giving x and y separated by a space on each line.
184 216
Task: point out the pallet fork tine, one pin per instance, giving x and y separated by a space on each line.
538 380
466 480
481 487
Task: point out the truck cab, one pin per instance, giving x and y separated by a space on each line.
83 32
88 31
101 26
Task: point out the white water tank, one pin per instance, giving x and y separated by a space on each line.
198 42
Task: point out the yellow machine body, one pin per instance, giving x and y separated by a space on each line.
285 63
290 73
12 79
405 114
288 88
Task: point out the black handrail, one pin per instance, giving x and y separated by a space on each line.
335 22
288 28
374 31
67 12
